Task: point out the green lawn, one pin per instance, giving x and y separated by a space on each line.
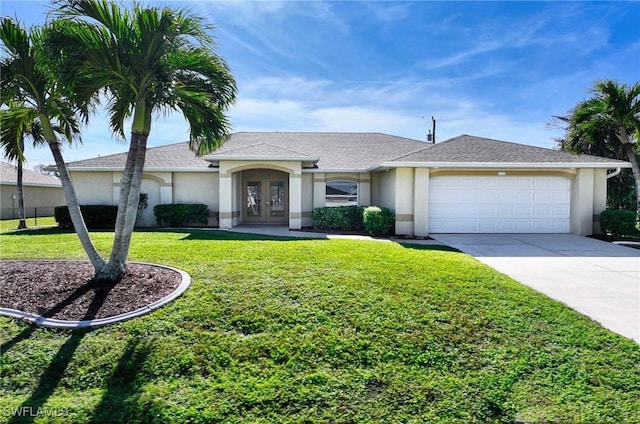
12 224
319 331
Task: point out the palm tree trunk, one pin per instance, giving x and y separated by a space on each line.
127 209
134 194
74 209
114 270
623 136
635 168
22 224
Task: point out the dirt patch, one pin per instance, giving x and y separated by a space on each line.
65 289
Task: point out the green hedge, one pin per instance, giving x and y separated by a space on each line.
378 221
618 222
338 218
96 217
181 215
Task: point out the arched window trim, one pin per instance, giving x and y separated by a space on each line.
335 198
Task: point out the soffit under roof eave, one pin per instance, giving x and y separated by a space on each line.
146 169
504 165
30 184
235 158
335 170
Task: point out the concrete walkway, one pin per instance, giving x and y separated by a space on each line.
598 279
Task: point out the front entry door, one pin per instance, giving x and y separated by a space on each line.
266 201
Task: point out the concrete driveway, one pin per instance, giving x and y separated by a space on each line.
598 279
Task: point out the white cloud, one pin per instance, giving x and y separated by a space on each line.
305 105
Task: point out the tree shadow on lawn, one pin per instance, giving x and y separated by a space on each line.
54 372
38 231
191 234
223 235
438 247
122 389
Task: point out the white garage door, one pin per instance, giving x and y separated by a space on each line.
499 204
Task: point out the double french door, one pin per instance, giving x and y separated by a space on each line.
266 200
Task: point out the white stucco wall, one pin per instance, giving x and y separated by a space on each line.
386 189
152 188
364 189
582 200
404 191
44 199
421 202
599 197
198 187
93 188
307 200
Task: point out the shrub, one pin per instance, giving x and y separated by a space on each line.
96 217
338 218
143 203
378 221
181 214
618 222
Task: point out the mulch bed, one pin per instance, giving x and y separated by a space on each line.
65 289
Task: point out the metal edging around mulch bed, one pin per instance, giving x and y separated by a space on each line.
41 321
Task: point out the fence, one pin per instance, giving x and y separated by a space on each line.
12 213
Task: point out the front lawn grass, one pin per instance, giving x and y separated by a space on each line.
318 331
43 221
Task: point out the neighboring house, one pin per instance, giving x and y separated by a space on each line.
41 192
463 185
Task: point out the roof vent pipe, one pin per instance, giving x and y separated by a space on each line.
431 136
614 173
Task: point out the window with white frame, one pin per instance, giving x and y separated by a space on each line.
341 193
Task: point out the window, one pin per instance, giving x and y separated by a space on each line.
341 193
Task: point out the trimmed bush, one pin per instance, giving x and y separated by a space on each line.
338 218
378 221
181 215
96 217
618 222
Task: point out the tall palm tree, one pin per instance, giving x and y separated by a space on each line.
16 123
609 120
145 61
26 77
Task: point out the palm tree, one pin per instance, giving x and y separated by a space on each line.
16 122
609 121
145 61
26 77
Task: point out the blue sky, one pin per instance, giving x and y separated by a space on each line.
492 69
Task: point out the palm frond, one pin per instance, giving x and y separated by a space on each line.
16 124
157 57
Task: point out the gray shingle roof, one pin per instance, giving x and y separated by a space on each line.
163 157
260 150
468 149
349 152
9 175
336 151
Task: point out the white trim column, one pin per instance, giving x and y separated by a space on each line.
421 202
319 190
404 191
295 200
582 202
364 189
225 201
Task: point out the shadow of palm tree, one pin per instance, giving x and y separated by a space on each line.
233 236
52 375
122 389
